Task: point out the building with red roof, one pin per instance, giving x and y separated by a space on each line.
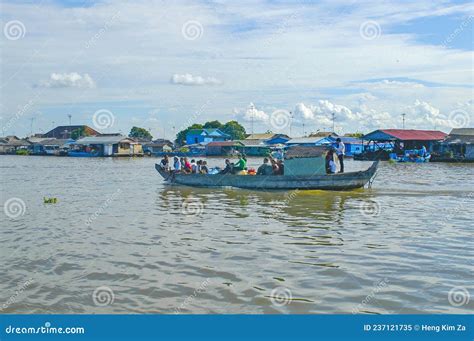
380 143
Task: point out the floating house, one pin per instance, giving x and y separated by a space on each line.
263 144
352 145
106 146
65 132
304 141
379 144
457 147
195 136
45 146
158 147
14 145
224 148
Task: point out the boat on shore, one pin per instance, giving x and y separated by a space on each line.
334 182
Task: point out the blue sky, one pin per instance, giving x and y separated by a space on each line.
164 65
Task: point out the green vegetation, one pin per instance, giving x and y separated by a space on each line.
22 152
78 133
140 133
232 128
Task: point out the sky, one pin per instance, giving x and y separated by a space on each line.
283 66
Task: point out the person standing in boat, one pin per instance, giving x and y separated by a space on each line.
340 151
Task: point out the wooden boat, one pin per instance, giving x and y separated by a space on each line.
336 182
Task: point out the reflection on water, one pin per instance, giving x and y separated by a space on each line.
148 247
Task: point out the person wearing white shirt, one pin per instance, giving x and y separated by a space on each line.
340 151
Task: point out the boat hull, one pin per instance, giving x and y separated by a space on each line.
336 182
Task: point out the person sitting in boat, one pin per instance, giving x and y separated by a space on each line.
228 167
281 167
187 165
265 169
165 163
193 166
275 167
176 165
204 169
330 164
240 165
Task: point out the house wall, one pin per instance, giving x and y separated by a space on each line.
108 150
305 166
469 152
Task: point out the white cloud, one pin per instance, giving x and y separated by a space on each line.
251 113
134 53
389 84
188 79
68 80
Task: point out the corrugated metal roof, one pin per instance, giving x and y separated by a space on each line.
305 151
224 144
305 140
103 140
409 134
260 136
462 131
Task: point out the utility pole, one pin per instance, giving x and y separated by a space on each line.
70 117
31 126
333 117
403 120
291 121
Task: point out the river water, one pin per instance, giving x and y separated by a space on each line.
119 240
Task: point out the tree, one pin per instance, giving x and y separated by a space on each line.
234 129
181 136
76 134
140 133
212 125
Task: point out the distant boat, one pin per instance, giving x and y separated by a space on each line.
336 182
